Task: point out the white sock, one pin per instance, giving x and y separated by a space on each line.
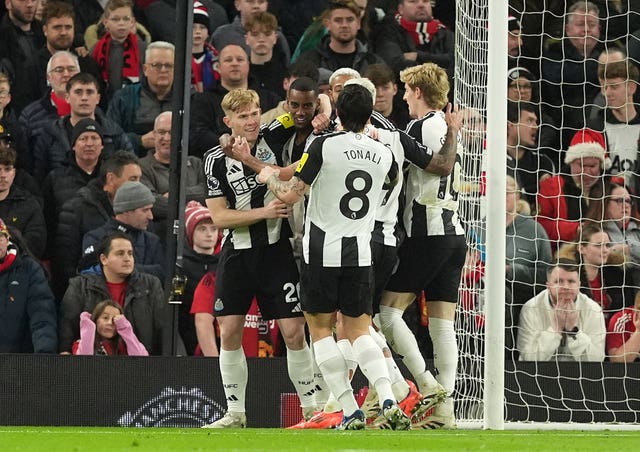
398 383
445 352
347 352
334 369
301 375
233 368
322 392
373 366
402 340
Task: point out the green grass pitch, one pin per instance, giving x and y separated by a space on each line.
279 440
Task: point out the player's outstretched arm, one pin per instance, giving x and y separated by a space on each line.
289 192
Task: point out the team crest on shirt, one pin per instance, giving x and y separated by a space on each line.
263 154
219 305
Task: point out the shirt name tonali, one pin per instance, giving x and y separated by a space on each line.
354 154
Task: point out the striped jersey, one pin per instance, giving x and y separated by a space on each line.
431 201
229 178
347 173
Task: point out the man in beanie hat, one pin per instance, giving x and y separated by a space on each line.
564 200
514 40
132 206
199 257
204 55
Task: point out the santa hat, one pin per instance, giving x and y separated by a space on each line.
587 143
194 214
201 15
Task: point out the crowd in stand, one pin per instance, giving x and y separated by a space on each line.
85 135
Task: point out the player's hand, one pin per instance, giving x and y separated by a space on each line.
371 132
266 173
240 149
277 209
320 122
226 141
453 119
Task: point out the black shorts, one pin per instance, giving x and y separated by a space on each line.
268 273
385 260
330 289
433 264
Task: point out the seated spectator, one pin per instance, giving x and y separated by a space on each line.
601 275
620 121
564 200
412 36
28 321
63 183
53 105
107 331
560 323
341 48
132 206
204 56
523 161
261 38
234 33
623 334
22 37
389 101
21 208
136 106
199 257
155 173
89 209
54 145
207 117
119 52
140 295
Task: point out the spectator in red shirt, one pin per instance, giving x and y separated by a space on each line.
623 334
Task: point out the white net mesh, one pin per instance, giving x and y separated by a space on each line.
566 94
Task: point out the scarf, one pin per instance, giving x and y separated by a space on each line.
421 32
130 57
62 106
9 259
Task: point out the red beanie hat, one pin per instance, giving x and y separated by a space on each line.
587 143
194 214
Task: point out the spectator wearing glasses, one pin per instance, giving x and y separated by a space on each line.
136 106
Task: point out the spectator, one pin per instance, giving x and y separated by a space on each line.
341 48
107 332
11 128
28 321
155 173
54 145
21 209
607 56
261 38
234 33
623 334
601 274
53 105
563 200
119 52
22 37
619 120
58 24
161 18
132 206
136 106
88 210
200 257
62 183
570 69
514 39
523 161
401 41
139 294
560 323
204 55
389 101
207 123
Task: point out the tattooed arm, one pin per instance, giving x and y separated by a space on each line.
289 192
442 162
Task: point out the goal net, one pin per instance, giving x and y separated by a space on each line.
566 94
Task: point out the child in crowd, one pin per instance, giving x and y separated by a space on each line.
204 56
107 332
120 51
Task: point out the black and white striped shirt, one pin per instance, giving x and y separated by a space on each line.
238 184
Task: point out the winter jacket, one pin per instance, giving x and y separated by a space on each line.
144 306
28 321
22 210
322 57
36 117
